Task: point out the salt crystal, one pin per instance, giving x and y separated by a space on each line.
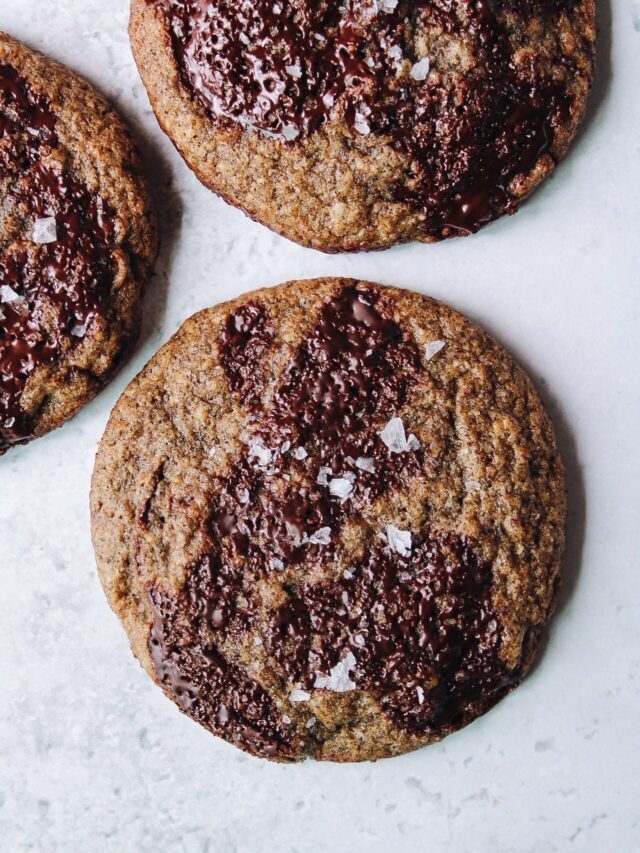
44 230
290 132
420 69
361 125
299 696
321 537
223 714
413 443
79 330
286 446
277 564
286 719
350 476
386 5
258 451
300 453
213 451
359 640
340 488
338 680
366 464
311 722
420 693
347 574
432 349
8 294
395 53
399 540
394 437
243 496
294 71
323 476
257 641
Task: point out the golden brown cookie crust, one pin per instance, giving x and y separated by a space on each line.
337 190
89 149
487 477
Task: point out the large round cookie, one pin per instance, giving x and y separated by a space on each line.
77 240
330 516
362 124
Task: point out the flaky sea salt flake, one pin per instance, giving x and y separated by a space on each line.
420 69
323 476
387 6
299 696
321 537
8 294
365 464
44 230
395 438
395 53
79 330
433 348
300 453
420 693
340 488
311 722
258 451
399 540
339 679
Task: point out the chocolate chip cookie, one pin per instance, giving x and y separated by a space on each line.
362 124
77 240
331 518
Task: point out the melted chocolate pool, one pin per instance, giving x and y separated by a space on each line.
49 292
283 68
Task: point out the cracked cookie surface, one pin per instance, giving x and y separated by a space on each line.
330 516
370 122
77 241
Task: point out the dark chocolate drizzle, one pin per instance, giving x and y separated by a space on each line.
283 68
62 285
426 620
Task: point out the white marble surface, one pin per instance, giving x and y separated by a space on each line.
94 758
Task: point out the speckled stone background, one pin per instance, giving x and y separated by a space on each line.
94 758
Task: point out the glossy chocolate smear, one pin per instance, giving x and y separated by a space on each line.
208 686
355 365
245 340
49 292
283 68
422 628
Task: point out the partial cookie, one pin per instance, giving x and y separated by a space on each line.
331 518
358 125
77 241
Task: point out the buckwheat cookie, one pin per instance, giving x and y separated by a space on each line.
331 518
361 124
77 240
